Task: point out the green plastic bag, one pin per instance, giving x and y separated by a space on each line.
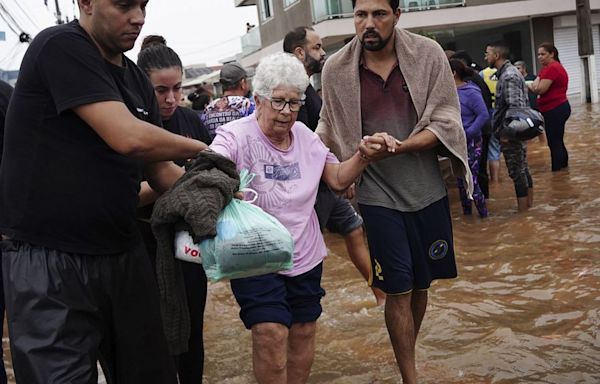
249 241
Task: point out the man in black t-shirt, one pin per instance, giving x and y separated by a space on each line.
306 45
82 127
334 212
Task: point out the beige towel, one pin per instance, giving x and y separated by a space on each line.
430 82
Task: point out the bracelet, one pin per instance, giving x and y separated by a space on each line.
363 156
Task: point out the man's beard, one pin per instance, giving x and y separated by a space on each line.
377 45
312 65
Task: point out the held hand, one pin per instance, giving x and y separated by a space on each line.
379 146
391 144
239 195
350 192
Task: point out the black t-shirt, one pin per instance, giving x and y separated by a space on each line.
186 122
309 113
5 92
61 185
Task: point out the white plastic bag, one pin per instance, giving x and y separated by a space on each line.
186 249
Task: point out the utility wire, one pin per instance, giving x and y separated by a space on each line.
18 55
33 22
8 15
16 51
8 23
75 9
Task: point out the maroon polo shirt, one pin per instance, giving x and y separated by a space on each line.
406 182
386 106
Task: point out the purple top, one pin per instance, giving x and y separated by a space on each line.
473 111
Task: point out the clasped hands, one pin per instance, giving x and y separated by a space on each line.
379 146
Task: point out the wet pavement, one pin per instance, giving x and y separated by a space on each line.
524 309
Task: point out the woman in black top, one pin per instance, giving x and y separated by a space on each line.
164 68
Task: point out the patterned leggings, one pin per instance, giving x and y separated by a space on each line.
474 153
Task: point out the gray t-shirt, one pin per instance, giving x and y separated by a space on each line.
406 182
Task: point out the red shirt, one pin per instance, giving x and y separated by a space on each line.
557 93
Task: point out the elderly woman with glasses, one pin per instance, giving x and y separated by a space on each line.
288 159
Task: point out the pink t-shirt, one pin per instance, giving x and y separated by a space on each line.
286 181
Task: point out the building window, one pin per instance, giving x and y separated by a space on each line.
288 3
266 9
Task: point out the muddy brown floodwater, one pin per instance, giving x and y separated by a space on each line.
524 309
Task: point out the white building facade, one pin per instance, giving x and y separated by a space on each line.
456 24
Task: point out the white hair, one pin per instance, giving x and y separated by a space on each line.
279 70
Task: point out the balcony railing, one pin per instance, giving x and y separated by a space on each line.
331 9
243 3
424 5
251 41
334 9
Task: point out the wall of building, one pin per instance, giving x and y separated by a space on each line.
284 20
474 40
477 14
543 31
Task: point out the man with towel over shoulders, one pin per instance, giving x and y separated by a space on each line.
395 90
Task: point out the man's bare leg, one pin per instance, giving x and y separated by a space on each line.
301 352
522 204
360 257
269 352
418 305
401 328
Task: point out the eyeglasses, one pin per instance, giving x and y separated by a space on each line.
279 104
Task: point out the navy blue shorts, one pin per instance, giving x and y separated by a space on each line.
409 249
275 298
335 213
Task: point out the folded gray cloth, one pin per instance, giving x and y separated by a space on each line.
194 203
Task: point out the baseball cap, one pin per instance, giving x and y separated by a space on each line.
232 72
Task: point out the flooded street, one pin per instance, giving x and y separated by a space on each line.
524 309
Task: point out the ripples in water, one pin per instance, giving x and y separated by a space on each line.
523 310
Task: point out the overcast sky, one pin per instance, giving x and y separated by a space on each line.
200 31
